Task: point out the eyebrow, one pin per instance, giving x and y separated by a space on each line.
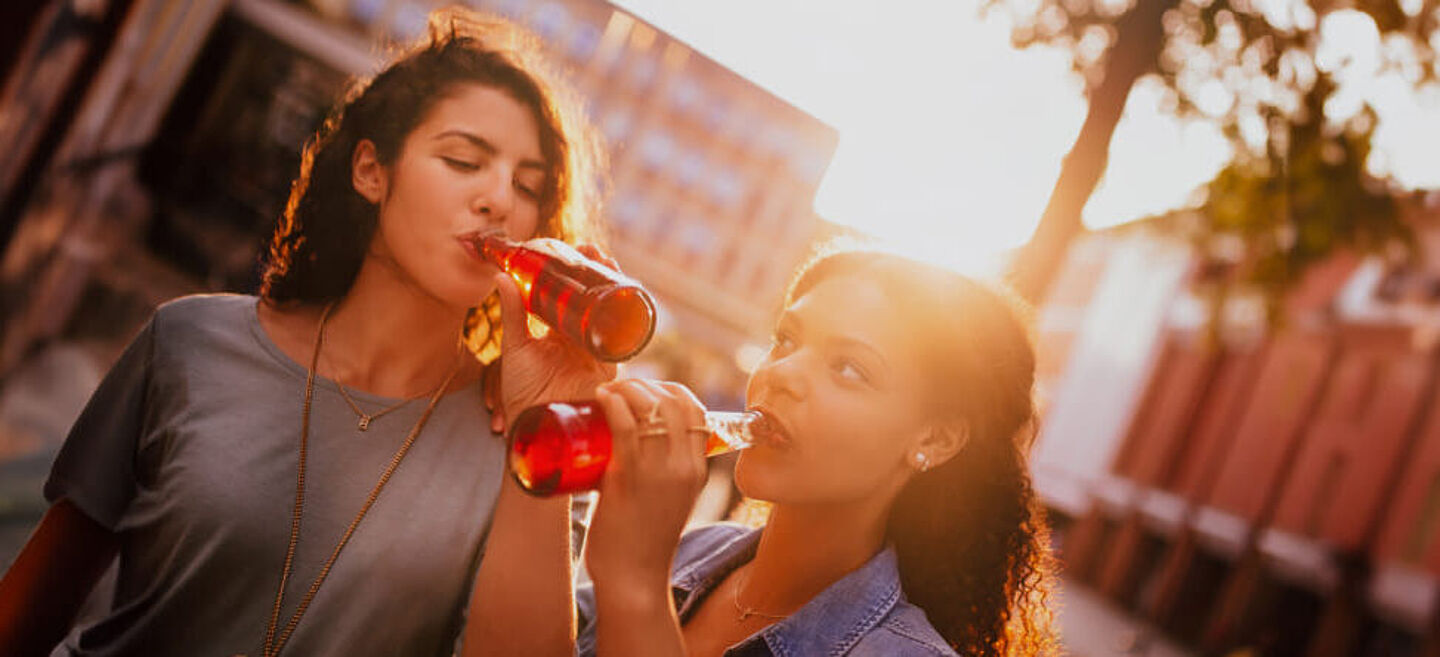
864 346
489 148
793 318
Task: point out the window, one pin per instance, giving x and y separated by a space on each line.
696 238
716 111
409 22
725 188
366 11
685 95
642 71
627 213
617 125
691 166
655 150
584 41
550 21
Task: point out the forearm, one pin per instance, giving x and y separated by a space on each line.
42 591
636 618
523 602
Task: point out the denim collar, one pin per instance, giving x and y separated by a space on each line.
831 623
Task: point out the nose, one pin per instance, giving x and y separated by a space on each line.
494 196
783 376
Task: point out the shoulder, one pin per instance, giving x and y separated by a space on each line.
230 311
904 631
705 540
202 327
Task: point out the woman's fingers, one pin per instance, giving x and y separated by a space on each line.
684 458
672 413
687 445
654 433
622 424
594 253
641 405
490 386
513 332
694 416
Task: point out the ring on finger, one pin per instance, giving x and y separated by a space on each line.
654 416
652 431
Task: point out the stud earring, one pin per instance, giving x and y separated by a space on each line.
922 461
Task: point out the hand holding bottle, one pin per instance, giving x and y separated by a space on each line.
657 468
537 370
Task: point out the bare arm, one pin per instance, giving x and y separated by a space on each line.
55 571
523 603
636 617
646 495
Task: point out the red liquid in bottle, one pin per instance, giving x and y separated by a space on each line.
562 448
597 307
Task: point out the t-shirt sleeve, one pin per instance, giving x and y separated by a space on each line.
95 468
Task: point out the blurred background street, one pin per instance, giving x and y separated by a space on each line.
1225 211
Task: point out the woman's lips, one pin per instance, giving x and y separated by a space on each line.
470 242
469 245
772 430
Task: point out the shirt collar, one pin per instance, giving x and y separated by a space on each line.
829 624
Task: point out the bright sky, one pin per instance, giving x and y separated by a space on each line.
950 139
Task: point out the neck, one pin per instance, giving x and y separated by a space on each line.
804 549
389 337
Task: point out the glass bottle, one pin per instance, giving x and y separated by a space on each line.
564 447
601 309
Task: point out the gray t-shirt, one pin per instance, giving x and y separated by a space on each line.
188 451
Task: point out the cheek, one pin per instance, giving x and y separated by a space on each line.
417 213
416 230
524 223
851 450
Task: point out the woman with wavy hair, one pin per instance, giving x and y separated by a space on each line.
901 516
312 472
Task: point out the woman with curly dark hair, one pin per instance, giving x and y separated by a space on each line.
902 520
312 472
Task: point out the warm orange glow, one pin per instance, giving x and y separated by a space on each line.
951 140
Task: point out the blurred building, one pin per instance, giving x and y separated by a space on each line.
151 145
1249 487
175 127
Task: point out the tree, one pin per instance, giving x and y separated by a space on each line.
1297 188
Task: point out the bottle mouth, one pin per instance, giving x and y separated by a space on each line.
620 323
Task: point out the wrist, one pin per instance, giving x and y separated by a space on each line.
631 598
628 576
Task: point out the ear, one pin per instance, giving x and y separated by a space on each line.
367 173
938 445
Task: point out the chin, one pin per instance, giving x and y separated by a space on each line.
463 292
760 480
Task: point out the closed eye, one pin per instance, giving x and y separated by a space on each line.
529 192
461 165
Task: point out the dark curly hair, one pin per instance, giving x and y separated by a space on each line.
970 534
321 240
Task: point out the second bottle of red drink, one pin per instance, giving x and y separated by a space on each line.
565 447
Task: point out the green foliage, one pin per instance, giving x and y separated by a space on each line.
1297 189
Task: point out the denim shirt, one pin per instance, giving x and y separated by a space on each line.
863 614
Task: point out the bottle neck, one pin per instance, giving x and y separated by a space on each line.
730 431
498 249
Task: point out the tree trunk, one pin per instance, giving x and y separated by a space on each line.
1140 35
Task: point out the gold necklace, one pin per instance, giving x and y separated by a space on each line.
273 644
367 418
745 611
